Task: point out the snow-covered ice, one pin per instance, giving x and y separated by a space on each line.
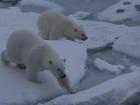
134 68
92 6
132 99
124 10
75 54
101 34
13 17
129 43
15 88
39 6
105 66
80 15
111 92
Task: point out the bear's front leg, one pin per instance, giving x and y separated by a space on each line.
33 65
32 75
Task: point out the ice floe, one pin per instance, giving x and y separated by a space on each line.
112 92
105 66
129 43
124 10
39 6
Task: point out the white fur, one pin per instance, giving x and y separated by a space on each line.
54 25
24 47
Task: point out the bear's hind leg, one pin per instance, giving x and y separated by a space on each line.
4 57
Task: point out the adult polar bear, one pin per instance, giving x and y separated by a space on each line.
54 25
26 48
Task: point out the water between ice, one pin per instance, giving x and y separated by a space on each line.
95 77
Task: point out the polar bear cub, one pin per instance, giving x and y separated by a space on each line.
26 48
54 25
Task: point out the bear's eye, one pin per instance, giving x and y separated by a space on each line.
50 62
75 30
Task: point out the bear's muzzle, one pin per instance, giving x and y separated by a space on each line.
84 37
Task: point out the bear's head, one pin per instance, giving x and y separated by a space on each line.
74 31
56 65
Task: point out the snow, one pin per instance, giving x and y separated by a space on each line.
105 66
13 17
134 68
124 10
101 34
129 43
74 54
14 87
39 6
3 5
111 92
80 15
133 99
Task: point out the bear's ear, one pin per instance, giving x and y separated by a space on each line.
50 62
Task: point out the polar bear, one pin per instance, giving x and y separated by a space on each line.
54 25
26 48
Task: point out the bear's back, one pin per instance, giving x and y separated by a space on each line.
20 43
51 17
47 20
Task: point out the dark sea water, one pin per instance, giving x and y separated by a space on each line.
95 77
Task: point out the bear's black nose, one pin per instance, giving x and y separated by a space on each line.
84 38
63 76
